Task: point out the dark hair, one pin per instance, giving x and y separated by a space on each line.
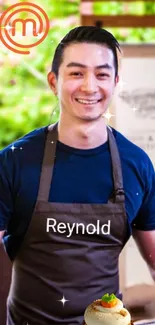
87 34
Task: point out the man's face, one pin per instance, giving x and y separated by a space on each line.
86 81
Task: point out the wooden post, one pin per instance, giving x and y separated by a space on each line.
124 20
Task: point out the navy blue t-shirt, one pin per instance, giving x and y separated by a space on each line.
80 176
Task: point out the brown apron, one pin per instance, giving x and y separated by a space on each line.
70 250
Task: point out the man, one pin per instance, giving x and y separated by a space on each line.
72 196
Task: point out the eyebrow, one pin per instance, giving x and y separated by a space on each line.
80 65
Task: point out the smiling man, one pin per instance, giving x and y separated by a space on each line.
76 173
85 85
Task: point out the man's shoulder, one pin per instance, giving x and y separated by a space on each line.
23 151
29 140
136 159
128 148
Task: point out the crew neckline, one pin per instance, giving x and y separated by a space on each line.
84 152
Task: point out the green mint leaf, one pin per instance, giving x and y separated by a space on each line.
108 298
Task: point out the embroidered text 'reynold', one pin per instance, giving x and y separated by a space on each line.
77 228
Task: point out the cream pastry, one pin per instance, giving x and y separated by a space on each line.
108 310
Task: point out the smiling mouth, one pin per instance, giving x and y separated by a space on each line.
88 101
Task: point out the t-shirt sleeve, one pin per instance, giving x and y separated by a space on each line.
6 200
145 219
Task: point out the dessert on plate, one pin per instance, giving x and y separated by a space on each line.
108 310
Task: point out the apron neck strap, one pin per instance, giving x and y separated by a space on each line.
48 163
49 159
118 194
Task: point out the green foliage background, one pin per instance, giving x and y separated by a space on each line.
26 101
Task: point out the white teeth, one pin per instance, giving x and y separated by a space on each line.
83 101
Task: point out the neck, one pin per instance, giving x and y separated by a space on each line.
82 134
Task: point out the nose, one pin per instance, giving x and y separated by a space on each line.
89 84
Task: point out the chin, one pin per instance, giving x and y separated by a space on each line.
90 118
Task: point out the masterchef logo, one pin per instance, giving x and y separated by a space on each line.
13 27
78 228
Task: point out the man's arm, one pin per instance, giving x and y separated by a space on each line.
7 179
146 243
1 235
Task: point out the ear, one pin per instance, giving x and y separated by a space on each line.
52 81
116 79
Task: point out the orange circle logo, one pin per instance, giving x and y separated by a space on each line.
8 25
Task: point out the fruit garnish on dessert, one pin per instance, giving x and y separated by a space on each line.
108 301
108 310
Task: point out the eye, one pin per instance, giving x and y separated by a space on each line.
76 73
103 75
